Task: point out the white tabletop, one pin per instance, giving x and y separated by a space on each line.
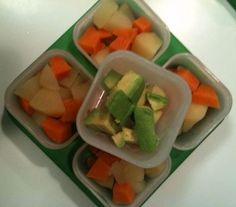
29 178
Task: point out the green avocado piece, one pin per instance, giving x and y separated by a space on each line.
128 135
144 128
111 79
100 119
142 99
119 105
118 139
132 84
156 101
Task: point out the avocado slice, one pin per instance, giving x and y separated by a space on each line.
118 139
156 101
128 135
132 84
144 128
111 79
119 105
100 119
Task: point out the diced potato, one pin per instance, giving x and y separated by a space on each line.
65 93
108 183
79 89
29 88
38 117
48 102
127 11
69 80
155 171
146 44
47 79
138 186
196 112
117 21
101 55
117 172
104 12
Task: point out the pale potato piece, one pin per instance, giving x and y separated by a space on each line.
38 117
108 183
104 12
47 79
155 171
80 88
29 88
138 186
65 93
196 112
127 11
117 21
69 80
48 102
146 44
117 171
101 55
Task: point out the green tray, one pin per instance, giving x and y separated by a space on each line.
63 157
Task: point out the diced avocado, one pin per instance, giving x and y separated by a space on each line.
132 84
128 135
157 115
119 105
156 101
118 139
100 119
142 99
111 79
144 128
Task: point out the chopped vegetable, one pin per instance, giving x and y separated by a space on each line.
104 34
71 109
129 33
26 106
107 158
120 43
143 24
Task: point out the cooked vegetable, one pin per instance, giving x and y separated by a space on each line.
26 106
71 109
120 43
143 24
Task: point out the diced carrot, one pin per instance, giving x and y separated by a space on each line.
56 130
123 193
120 43
143 24
104 34
189 77
107 158
90 41
206 95
26 106
59 67
71 109
99 170
129 33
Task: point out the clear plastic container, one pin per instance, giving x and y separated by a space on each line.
139 8
214 117
168 126
12 104
103 194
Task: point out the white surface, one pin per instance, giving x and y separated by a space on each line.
29 178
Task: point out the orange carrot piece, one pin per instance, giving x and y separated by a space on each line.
99 170
104 34
59 67
120 43
90 41
129 33
143 24
26 106
57 130
71 109
189 77
123 193
107 158
206 95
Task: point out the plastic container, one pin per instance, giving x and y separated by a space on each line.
12 104
103 194
214 117
168 126
139 8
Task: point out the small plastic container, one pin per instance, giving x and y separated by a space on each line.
139 8
12 104
214 117
168 126
103 194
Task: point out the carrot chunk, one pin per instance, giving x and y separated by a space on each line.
206 95
59 67
71 109
104 34
26 106
90 41
129 33
143 24
107 158
120 43
99 170
189 77
123 193
57 130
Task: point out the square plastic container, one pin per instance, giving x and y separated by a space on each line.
103 194
168 126
139 8
214 117
12 104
